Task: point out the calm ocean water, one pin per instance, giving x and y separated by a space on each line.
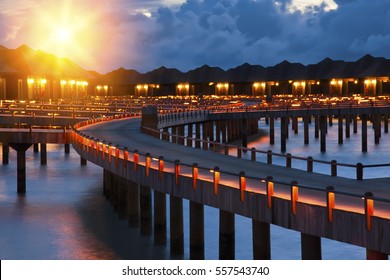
65 216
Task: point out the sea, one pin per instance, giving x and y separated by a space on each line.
64 215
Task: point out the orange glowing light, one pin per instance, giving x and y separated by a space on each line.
270 192
195 172
217 175
242 184
160 167
109 153
116 156
147 164
330 205
103 150
369 211
177 171
294 199
135 160
125 158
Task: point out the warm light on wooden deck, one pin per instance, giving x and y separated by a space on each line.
294 197
147 163
270 191
177 171
195 173
136 158
217 176
242 185
160 167
368 208
330 202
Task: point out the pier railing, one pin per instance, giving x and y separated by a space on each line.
269 155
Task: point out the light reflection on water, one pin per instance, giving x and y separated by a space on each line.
65 216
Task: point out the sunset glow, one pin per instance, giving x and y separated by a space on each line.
62 34
71 30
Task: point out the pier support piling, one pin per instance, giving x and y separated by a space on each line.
83 161
355 124
323 133
107 184
43 154
340 128
364 132
67 148
180 130
197 135
5 153
311 247
316 127
196 231
122 198
133 202
176 225
244 132
347 126
146 210
36 147
261 236
306 129
226 235
160 219
21 165
375 255
283 133
272 131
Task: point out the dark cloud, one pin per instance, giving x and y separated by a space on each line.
229 33
257 19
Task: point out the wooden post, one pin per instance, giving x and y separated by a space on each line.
21 166
176 225
197 135
283 132
66 148
306 129
5 153
364 132
340 128
316 126
272 131
146 210
226 235
311 247
160 220
323 133
196 231
43 154
261 235
133 204
347 125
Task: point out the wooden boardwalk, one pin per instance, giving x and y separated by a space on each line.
311 217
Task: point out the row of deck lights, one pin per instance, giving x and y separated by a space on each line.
86 143
257 85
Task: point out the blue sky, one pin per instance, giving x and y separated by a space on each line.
104 35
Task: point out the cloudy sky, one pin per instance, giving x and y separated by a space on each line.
104 35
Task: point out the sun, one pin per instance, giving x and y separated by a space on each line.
73 29
62 34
